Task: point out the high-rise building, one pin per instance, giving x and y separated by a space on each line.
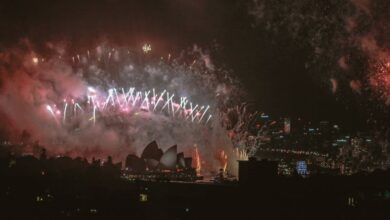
325 128
287 126
302 168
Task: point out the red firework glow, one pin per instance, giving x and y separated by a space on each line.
380 80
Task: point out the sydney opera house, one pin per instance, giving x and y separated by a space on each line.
156 165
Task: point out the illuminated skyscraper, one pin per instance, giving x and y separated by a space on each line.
287 126
302 168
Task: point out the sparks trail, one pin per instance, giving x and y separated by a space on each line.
129 102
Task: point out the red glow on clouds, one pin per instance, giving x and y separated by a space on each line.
380 80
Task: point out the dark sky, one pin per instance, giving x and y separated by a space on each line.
272 68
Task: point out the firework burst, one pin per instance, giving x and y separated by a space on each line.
379 80
113 101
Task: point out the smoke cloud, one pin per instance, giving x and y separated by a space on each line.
348 41
347 45
31 82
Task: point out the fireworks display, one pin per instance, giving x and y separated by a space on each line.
379 79
131 102
114 101
347 44
181 109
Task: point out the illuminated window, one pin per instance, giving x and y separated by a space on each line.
143 197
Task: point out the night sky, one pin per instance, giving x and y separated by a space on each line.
272 67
